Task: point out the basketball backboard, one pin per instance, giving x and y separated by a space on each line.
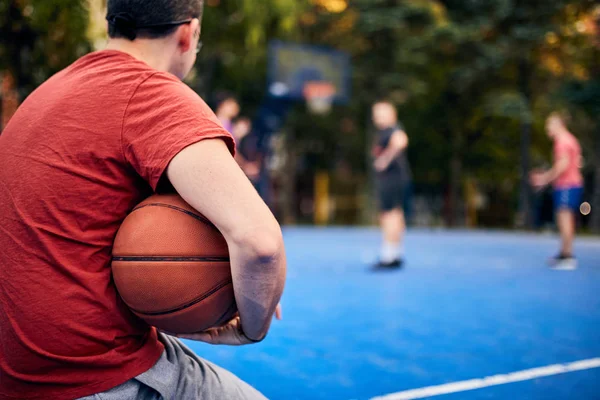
293 66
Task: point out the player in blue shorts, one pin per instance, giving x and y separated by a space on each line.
567 181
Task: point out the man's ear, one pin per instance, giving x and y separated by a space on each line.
198 26
186 35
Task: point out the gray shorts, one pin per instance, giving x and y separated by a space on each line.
181 375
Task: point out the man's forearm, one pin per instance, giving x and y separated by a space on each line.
258 279
388 155
557 170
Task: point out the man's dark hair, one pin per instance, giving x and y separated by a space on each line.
150 19
563 115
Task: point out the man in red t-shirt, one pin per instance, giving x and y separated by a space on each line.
565 176
79 154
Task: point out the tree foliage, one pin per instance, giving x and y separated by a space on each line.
466 75
38 38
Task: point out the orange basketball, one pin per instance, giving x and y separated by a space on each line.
171 267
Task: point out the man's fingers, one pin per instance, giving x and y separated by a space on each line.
228 334
200 337
278 312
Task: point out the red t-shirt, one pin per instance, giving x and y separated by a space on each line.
568 146
79 154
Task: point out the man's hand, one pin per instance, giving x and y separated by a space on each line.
398 143
381 164
230 334
538 179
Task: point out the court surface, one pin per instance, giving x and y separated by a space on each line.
469 305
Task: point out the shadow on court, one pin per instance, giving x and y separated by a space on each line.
468 305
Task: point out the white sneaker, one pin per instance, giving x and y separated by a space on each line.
562 263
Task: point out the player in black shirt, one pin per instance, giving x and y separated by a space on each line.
393 177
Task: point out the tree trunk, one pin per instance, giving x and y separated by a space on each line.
524 218
369 210
10 98
454 200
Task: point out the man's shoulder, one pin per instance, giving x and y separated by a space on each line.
388 131
396 128
164 97
573 140
167 82
167 87
108 77
567 142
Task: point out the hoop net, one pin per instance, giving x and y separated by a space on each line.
319 96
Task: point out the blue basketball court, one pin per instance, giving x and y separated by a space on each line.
469 305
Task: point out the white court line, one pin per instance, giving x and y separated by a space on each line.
495 380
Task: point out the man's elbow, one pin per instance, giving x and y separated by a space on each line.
400 146
404 142
560 168
264 243
268 246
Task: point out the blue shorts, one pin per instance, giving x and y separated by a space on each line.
569 198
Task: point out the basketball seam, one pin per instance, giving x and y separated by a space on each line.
169 258
191 303
183 210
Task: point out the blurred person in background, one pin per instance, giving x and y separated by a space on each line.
567 181
227 108
242 129
393 178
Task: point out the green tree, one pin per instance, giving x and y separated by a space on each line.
235 35
469 76
38 38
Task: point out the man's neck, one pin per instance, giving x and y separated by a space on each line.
562 134
144 50
392 126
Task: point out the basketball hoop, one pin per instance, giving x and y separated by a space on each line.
319 96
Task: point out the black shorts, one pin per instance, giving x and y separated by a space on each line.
391 191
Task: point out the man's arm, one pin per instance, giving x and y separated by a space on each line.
398 143
546 178
208 178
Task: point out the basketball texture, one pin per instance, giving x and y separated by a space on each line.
171 267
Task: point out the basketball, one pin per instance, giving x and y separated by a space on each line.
171 267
